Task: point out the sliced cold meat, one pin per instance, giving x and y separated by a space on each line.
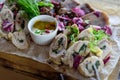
58 48
77 51
6 21
19 40
6 14
87 8
86 67
105 46
97 18
85 34
21 22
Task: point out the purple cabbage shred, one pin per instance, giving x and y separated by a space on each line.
77 60
61 26
79 12
97 13
7 26
107 30
1 6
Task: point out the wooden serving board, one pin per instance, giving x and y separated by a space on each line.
37 70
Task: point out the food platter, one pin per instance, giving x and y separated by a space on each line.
32 53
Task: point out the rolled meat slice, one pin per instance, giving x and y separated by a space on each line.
58 48
97 18
86 34
21 22
106 47
6 14
19 39
6 22
86 67
78 49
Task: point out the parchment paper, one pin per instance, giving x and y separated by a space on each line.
40 53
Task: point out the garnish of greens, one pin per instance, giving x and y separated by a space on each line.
74 33
97 36
45 4
39 31
30 7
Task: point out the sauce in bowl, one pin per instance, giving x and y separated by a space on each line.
43 27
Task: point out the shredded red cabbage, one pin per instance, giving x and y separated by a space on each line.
97 27
61 26
7 26
107 30
77 20
77 60
79 12
97 13
79 23
1 6
106 59
64 18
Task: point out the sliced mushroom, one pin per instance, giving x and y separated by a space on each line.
105 46
19 40
58 48
86 67
97 18
78 48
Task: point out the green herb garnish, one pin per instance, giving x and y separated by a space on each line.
45 4
30 7
83 48
97 36
103 47
60 41
97 64
39 31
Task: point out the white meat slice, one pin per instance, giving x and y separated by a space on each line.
97 18
21 23
79 47
6 14
86 67
85 35
19 40
58 48
106 47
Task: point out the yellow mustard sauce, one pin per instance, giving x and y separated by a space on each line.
42 25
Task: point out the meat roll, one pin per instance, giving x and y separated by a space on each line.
86 67
58 48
